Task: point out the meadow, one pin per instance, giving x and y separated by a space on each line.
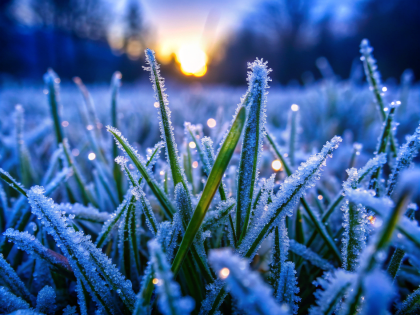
266 199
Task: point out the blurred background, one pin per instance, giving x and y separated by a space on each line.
206 41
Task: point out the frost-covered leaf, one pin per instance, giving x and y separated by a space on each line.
45 301
288 287
309 255
286 199
254 132
10 302
170 301
332 288
252 294
13 282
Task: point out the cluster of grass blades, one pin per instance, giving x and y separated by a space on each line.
152 235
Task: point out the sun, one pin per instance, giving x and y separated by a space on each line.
193 60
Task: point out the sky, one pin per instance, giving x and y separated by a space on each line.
199 22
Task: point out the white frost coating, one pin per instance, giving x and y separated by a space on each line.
252 294
61 177
164 114
11 181
378 293
309 255
119 145
365 197
279 253
167 236
10 302
254 133
406 154
81 212
170 301
88 262
292 189
146 208
266 195
288 287
152 154
208 154
81 298
356 176
113 219
30 244
218 217
334 287
213 291
45 301
354 236
12 280
70 310
370 66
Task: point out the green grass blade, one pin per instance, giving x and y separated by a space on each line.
52 82
319 225
165 121
116 171
163 199
13 183
255 103
216 174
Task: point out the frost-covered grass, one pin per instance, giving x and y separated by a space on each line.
106 208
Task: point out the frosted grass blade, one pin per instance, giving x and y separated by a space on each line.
254 131
213 182
374 79
52 82
135 158
319 225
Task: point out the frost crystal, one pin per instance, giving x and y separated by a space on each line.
9 277
252 294
334 287
254 133
80 212
287 287
89 264
279 253
10 302
70 310
170 301
30 244
405 155
354 236
286 199
45 301
309 255
372 73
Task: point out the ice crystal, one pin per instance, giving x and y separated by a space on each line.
405 156
170 301
252 294
286 199
309 255
80 212
254 133
288 287
45 301
88 262
13 282
279 253
10 302
332 287
354 236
